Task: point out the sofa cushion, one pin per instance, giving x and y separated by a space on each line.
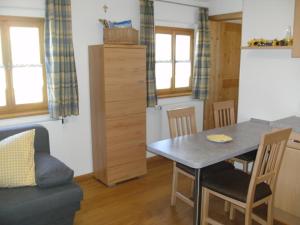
41 142
21 204
51 172
17 167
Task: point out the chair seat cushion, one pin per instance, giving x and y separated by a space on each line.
21 204
249 156
51 172
207 171
234 184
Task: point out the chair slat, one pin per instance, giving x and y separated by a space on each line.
224 113
182 122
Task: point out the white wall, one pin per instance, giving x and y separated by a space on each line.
225 6
71 142
269 79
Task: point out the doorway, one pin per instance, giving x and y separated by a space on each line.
226 32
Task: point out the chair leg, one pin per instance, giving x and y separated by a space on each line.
205 206
245 166
192 188
232 212
227 206
252 166
270 219
248 216
174 185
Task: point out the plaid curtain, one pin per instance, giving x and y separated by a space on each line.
147 38
202 58
60 62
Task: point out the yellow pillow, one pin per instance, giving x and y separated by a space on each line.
17 166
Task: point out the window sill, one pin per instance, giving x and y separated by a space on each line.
23 114
174 95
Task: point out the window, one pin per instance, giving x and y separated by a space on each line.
22 70
174 57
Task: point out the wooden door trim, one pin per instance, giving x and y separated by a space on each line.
227 16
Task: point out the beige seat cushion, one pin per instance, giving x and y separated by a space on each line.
17 166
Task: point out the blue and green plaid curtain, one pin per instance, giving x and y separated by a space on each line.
202 58
147 38
60 63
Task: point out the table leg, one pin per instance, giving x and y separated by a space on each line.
197 197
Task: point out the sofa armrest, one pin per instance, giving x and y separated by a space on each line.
51 172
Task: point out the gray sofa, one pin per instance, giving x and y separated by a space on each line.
53 201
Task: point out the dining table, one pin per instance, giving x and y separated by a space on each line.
197 152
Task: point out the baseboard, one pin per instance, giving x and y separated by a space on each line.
84 177
88 176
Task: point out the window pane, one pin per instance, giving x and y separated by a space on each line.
163 47
163 73
183 47
2 78
183 74
28 85
25 45
2 87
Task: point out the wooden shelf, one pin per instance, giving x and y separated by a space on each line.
267 47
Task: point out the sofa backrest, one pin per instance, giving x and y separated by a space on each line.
41 140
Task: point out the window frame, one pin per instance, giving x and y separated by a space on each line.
173 31
12 110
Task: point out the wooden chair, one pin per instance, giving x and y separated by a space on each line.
245 191
224 116
183 122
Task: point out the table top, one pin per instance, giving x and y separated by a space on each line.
197 152
289 122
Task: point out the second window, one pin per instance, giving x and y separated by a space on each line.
174 58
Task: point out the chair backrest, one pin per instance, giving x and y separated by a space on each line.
182 122
41 139
224 113
268 160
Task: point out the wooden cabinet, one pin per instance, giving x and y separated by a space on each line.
287 195
118 111
296 45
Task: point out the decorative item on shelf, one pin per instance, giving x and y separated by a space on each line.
265 43
111 24
118 32
104 22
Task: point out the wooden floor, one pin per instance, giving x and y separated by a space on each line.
143 201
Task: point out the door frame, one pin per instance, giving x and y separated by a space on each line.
227 16
207 121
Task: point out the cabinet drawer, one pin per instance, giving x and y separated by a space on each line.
287 195
126 129
294 141
122 153
125 108
121 92
126 171
125 74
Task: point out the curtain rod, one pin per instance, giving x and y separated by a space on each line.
177 3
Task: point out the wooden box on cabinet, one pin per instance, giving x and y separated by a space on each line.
120 36
118 111
296 44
